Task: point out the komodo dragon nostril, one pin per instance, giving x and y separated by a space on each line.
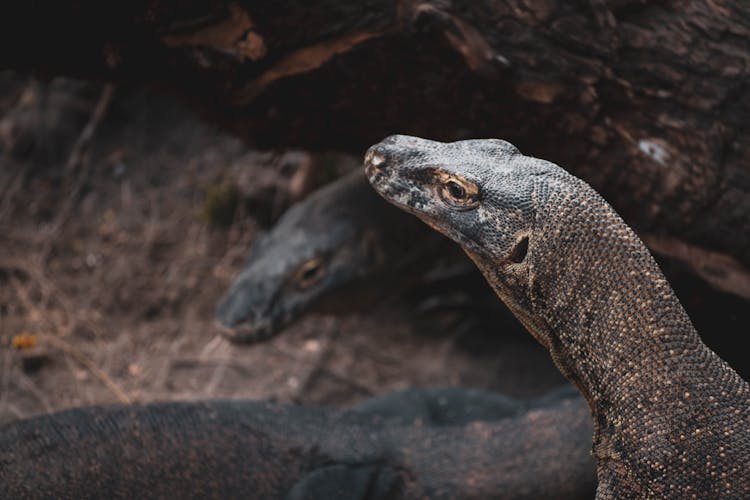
375 159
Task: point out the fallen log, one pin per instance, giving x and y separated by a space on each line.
648 101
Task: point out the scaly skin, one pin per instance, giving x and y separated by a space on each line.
388 448
319 255
671 418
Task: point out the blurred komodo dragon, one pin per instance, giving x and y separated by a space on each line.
672 419
341 241
424 443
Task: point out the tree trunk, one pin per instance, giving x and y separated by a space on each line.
647 100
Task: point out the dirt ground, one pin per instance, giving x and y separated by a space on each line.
116 246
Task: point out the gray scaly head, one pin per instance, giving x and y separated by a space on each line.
672 419
314 257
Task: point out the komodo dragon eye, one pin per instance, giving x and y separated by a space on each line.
457 192
309 273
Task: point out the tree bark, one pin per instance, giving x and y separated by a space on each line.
647 100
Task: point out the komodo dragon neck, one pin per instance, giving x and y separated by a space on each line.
662 400
672 419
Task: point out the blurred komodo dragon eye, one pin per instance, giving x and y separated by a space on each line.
310 272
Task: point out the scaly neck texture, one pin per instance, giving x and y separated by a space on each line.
672 418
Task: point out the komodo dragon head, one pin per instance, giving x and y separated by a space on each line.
314 258
479 193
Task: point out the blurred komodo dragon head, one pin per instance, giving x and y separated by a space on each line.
336 248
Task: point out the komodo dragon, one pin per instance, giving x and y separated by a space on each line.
672 419
385 448
306 261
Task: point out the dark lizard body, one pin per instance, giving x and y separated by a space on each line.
339 243
671 418
387 448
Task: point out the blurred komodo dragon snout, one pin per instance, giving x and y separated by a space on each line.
242 315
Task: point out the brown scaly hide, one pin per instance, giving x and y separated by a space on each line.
672 419
647 101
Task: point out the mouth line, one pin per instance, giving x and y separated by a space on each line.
246 334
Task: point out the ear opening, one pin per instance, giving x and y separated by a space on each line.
520 250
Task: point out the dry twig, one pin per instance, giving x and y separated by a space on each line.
14 185
76 158
89 364
29 385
